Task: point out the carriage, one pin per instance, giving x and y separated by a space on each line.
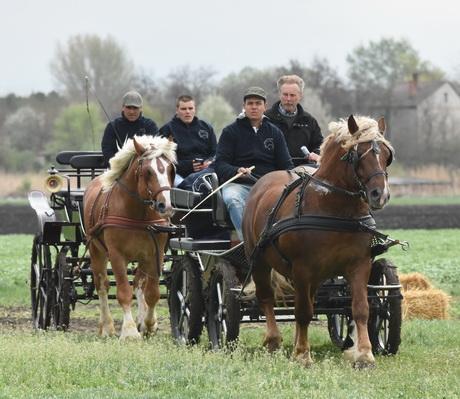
205 277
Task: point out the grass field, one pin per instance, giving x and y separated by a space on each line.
78 364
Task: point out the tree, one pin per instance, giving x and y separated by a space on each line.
313 104
382 64
103 61
73 129
217 111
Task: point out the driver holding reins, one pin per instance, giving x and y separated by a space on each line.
249 141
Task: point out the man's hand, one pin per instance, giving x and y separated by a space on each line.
245 171
199 164
312 156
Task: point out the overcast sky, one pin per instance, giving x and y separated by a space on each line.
161 35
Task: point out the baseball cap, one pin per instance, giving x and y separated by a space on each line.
255 91
132 99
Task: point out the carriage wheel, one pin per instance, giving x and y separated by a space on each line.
63 286
185 301
338 327
385 309
41 284
223 307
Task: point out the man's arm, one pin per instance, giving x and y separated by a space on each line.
109 143
225 156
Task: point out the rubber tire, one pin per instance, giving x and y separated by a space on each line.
41 284
186 329
223 313
385 332
63 286
338 328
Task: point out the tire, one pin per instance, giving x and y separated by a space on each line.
63 288
185 299
41 284
223 307
385 316
338 327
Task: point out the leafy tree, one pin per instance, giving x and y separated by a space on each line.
382 64
313 104
103 61
217 111
73 130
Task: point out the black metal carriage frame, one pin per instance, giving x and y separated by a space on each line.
205 276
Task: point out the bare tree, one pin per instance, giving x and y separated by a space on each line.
103 61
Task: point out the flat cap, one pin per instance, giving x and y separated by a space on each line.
132 99
255 91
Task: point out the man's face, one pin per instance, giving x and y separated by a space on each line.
131 113
254 108
185 111
290 96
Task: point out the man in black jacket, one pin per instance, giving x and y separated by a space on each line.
130 123
249 141
299 127
196 142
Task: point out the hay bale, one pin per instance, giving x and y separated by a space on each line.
414 281
428 304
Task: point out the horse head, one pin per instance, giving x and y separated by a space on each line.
155 174
370 155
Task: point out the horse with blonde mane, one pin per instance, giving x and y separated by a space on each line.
317 226
126 214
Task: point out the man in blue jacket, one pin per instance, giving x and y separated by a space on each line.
196 142
130 123
249 141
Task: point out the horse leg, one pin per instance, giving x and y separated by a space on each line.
101 281
148 295
266 298
304 297
124 296
360 354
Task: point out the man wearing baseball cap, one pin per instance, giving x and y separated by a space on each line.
130 123
249 141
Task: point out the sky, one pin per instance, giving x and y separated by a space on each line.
162 35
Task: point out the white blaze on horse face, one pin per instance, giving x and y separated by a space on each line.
386 189
162 177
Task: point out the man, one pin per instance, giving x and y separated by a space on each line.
249 141
131 123
300 129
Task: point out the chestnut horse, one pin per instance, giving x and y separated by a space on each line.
124 210
314 227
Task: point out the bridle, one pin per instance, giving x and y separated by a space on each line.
352 157
152 200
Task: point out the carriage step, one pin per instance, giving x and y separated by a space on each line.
190 244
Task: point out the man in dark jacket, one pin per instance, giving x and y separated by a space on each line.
130 123
301 130
196 142
249 141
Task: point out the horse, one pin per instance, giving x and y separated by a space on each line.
315 226
124 211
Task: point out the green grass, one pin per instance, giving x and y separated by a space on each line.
81 365
426 200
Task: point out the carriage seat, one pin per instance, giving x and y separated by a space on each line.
184 199
83 160
220 215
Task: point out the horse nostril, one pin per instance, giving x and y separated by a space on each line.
161 207
376 193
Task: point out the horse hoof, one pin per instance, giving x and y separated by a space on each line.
128 336
361 365
272 344
304 359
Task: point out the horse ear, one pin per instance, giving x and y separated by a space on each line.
352 125
382 125
138 147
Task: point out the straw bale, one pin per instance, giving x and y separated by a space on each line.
426 304
413 281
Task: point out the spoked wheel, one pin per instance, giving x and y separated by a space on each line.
186 301
41 284
338 327
63 286
223 307
384 309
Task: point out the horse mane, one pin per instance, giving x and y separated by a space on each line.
368 130
155 147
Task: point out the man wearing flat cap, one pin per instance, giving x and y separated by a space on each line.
249 141
130 123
